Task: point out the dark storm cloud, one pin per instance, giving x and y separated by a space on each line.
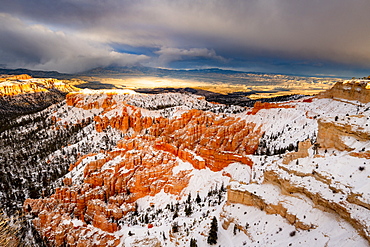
167 55
37 47
307 32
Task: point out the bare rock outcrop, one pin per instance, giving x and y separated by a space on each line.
14 77
332 132
26 85
22 94
273 203
349 90
301 153
340 204
266 105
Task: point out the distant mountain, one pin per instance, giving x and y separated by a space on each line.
212 73
37 73
143 70
113 70
217 70
122 70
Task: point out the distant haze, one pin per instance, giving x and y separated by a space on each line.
327 37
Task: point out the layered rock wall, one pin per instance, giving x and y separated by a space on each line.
28 86
15 77
347 209
331 133
251 199
349 90
286 191
29 95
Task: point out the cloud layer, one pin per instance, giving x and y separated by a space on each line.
307 35
37 47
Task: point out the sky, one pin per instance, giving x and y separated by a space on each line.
308 37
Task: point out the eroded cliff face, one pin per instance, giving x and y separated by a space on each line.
110 187
26 85
336 132
302 152
23 94
102 187
266 105
14 77
349 90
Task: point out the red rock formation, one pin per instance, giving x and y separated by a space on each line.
266 105
142 165
57 227
78 99
104 191
309 100
80 160
365 155
218 142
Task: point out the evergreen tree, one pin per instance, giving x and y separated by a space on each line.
175 215
212 236
136 212
193 243
189 198
222 187
246 225
188 210
198 199
146 219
